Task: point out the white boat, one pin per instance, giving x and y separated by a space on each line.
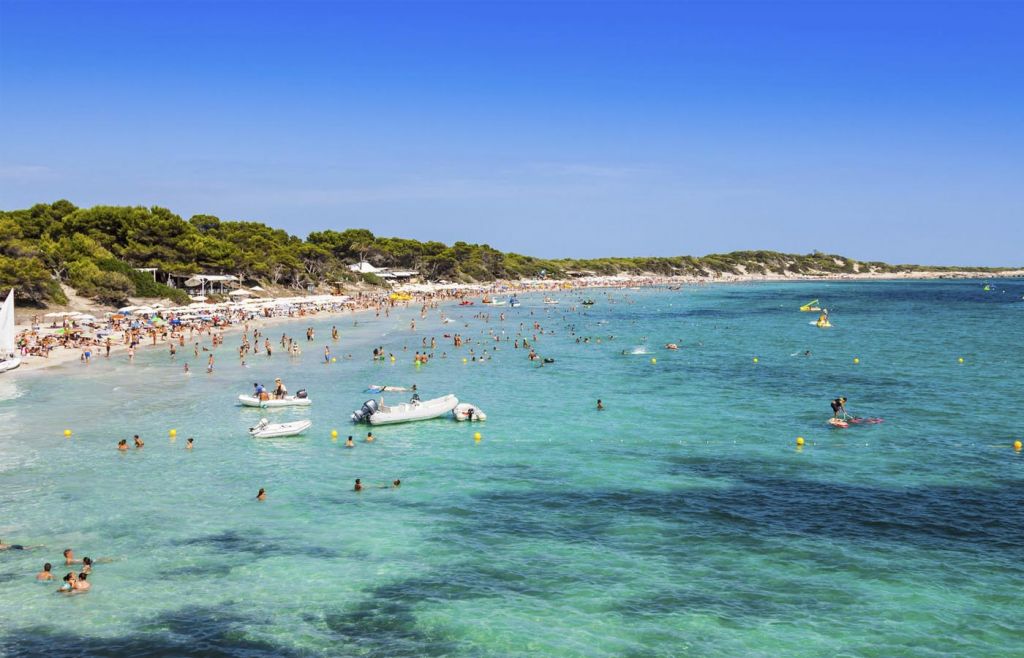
267 430
467 411
287 401
514 302
495 302
9 359
548 300
381 414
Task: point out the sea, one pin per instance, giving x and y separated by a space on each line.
683 519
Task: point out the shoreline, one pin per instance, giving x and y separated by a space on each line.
434 294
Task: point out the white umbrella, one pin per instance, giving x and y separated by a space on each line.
240 293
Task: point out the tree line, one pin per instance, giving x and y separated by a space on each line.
96 250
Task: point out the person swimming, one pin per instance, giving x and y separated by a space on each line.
46 574
189 443
349 443
261 494
358 486
600 406
16 547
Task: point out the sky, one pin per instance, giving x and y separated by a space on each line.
880 131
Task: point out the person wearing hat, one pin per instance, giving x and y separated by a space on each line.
279 390
838 406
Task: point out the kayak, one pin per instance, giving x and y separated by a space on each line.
267 430
287 401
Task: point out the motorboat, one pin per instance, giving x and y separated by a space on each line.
514 302
588 302
494 302
465 302
298 400
267 430
378 413
548 300
467 411
8 351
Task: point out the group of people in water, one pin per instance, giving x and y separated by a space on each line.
74 582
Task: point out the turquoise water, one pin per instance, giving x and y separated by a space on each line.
682 520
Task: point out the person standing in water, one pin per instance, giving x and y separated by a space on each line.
838 407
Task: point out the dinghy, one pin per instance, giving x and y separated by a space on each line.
467 411
298 400
8 351
381 414
267 430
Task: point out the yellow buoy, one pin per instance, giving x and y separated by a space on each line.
477 437
755 359
1017 445
654 360
172 433
334 434
464 360
334 359
799 440
67 433
856 360
960 360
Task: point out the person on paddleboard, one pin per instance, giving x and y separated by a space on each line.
838 406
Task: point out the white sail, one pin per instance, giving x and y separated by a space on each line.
8 360
7 326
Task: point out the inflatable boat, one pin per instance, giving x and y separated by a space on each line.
299 400
381 414
267 430
467 411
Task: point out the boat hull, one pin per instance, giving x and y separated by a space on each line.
411 412
253 401
275 430
10 364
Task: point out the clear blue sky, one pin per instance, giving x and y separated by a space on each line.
880 131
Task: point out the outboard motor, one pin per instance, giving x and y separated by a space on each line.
301 394
368 409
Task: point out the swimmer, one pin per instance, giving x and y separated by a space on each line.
122 445
189 443
349 443
262 494
16 547
600 406
69 557
359 485
81 583
396 484
46 573
139 443
69 583
86 564
369 437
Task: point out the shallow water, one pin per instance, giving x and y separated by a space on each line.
681 520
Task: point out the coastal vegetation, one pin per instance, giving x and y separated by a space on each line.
97 252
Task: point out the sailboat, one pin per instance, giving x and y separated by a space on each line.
9 359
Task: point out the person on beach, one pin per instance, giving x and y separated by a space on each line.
261 494
838 407
46 574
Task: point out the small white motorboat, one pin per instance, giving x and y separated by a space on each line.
267 430
299 400
381 414
467 411
514 302
548 300
495 302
